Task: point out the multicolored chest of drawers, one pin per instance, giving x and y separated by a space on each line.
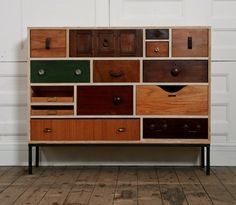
119 86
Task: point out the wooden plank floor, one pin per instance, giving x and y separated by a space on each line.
118 186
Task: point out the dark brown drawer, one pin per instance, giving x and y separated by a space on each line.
46 43
157 33
157 49
175 128
175 71
105 100
190 42
116 70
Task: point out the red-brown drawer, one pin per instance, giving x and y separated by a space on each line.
157 49
105 100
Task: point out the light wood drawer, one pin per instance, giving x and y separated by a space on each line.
157 49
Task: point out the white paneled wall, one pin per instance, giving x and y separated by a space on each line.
17 15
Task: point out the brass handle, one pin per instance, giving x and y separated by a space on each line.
52 112
121 129
105 43
78 71
52 99
47 130
41 72
116 74
47 43
156 50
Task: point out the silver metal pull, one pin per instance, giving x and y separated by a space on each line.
156 50
121 129
41 72
78 71
47 130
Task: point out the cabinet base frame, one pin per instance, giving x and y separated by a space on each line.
202 146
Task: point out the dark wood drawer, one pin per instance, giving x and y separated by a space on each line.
85 129
190 42
116 70
172 100
157 49
157 33
47 43
105 100
175 128
63 71
175 71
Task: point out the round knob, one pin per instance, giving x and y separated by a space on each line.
175 72
116 100
164 126
41 72
186 126
156 50
47 130
152 126
121 129
198 127
78 71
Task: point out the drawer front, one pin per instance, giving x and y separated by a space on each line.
85 129
105 100
116 71
52 112
157 49
130 43
47 43
81 43
59 71
172 100
175 71
157 33
175 128
189 42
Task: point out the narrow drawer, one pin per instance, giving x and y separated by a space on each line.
175 128
52 110
47 43
105 100
175 71
190 42
85 129
157 49
116 71
172 100
157 33
63 71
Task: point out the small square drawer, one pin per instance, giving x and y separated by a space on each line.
64 71
175 128
116 70
157 33
47 43
104 100
172 100
157 49
190 42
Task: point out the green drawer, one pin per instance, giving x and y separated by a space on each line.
60 71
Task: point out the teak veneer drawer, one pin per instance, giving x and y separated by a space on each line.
157 49
105 100
45 43
175 71
37 110
172 100
190 42
60 71
175 128
85 129
116 70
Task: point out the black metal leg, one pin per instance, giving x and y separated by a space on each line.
30 159
202 157
37 156
208 160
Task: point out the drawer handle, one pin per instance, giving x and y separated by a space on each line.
52 112
156 50
175 72
47 130
52 99
116 74
117 100
41 72
190 43
186 128
154 128
47 43
121 129
157 33
171 88
78 72
105 43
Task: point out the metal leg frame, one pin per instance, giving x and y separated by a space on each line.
36 156
202 156
30 159
208 160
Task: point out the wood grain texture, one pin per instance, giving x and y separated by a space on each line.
116 71
190 100
157 33
157 49
57 45
63 111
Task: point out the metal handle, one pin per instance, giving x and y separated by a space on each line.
175 72
47 43
41 72
156 50
190 43
121 129
153 127
47 130
52 99
105 43
116 74
186 128
117 100
78 71
52 112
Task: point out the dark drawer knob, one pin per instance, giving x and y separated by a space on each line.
47 43
78 72
116 74
164 126
41 72
121 129
175 72
105 43
117 100
47 130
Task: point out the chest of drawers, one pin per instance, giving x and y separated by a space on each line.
119 86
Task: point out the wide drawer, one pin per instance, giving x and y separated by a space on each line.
85 129
60 71
190 42
105 100
47 43
175 71
175 128
116 71
172 100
